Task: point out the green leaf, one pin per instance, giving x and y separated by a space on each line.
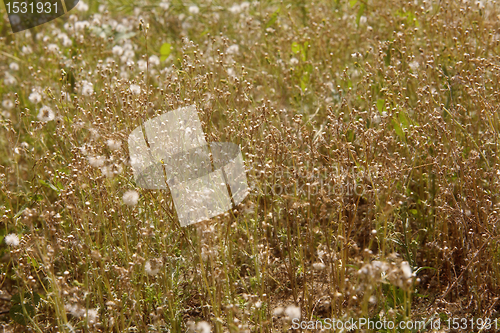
21 210
397 241
304 51
273 18
296 47
422 268
403 119
78 284
34 263
360 13
28 297
380 105
49 185
387 58
165 51
20 315
304 80
397 128
16 313
350 135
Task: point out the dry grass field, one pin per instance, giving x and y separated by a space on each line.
370 134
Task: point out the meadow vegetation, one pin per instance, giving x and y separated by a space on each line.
369 130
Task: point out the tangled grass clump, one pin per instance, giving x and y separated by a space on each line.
370 134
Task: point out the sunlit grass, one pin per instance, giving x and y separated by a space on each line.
369 131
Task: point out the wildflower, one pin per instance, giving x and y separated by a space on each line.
130 198
65 96
8 104
235 9
164 5
203 327
233 49
82 6
35 97
46 114
143 65
53 48
194 9
12 240
154 60
111 170
121 28
94 133
362 20
87 88
128 46
92 316
294 61
231 72
278 311
67 42
117 50
75 310
14 66
127 55
406 269
292 311
414 65
96 161
319 266
152 267
113 144
135 89
26 49
244 5
9 79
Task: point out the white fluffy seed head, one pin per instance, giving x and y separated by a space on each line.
113 144
135 89
203 327
46 114
12 240
194 9
130 198
319 266
406 269
35 97
87 88
96 161
8 104
292 311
